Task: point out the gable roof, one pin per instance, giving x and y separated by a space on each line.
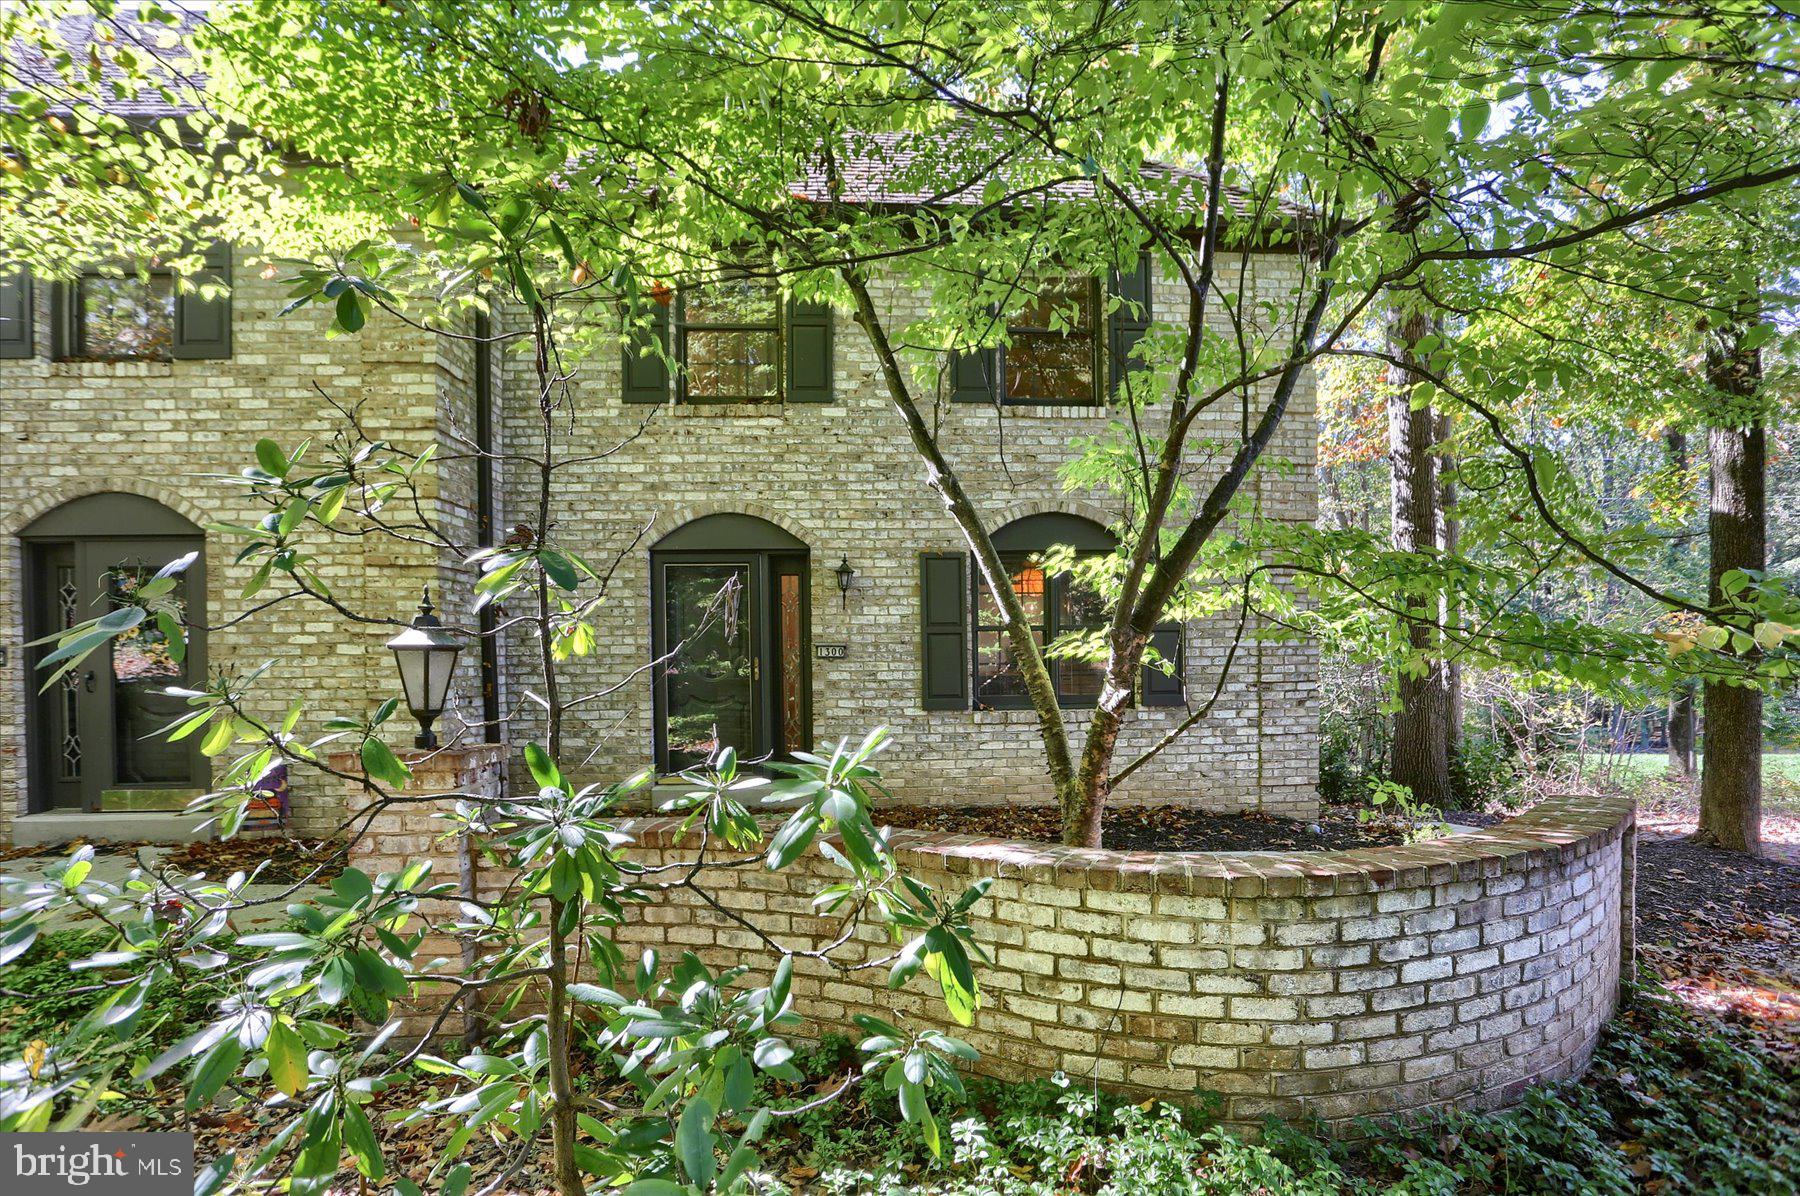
895 169
162 48
874 169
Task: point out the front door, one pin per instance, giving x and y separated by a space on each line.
97 739
731 660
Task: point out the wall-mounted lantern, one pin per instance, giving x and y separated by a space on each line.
845 575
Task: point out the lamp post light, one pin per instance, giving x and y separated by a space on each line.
846 573
426 654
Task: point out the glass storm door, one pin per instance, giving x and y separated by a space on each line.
710 676
730 633
97 733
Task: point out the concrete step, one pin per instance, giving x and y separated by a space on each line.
60 826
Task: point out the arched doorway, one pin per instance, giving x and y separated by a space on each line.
731 636
93 737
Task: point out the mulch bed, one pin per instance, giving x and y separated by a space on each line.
63 851
1723 931
1157 828
290 861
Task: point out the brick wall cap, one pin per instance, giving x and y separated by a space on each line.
1561 828
451 756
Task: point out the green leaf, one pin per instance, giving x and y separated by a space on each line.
287 1058
219 738
335 979
543 769
270 459
331 503
293 516
559 569
694 1141
381 764
654 1187
350 314
912 1101
456 1182
212 1177
214 1068
359 1137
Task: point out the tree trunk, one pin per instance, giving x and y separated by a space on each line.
1731 778
1681 693
1449 535
1421 753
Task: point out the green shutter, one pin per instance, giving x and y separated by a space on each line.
646 374
944 630
15 315
1160 689
1129 321
809 353
202 325
973 376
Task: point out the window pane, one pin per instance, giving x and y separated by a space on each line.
731 365
1080 678
711 692
125 317
1048 367
735 301
1028 583
143 665
996 674
1080 606
1072 297
1043 366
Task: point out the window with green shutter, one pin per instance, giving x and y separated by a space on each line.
733 341
1054 353
968 660
132 315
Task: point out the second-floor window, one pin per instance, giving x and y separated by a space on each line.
730 341
120 317
123 314
1052 355
736 340
1070 342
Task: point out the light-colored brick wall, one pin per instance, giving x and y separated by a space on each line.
840 476
844 479
1309 984
1332 985
69 429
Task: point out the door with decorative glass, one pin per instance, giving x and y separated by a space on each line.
96 733
731 644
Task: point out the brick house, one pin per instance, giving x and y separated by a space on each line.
773 458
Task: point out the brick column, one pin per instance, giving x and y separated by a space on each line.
403 834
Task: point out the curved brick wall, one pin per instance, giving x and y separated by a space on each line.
1330 984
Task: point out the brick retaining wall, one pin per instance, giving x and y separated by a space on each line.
1326 984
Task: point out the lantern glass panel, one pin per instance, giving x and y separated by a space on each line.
441 664
412 676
